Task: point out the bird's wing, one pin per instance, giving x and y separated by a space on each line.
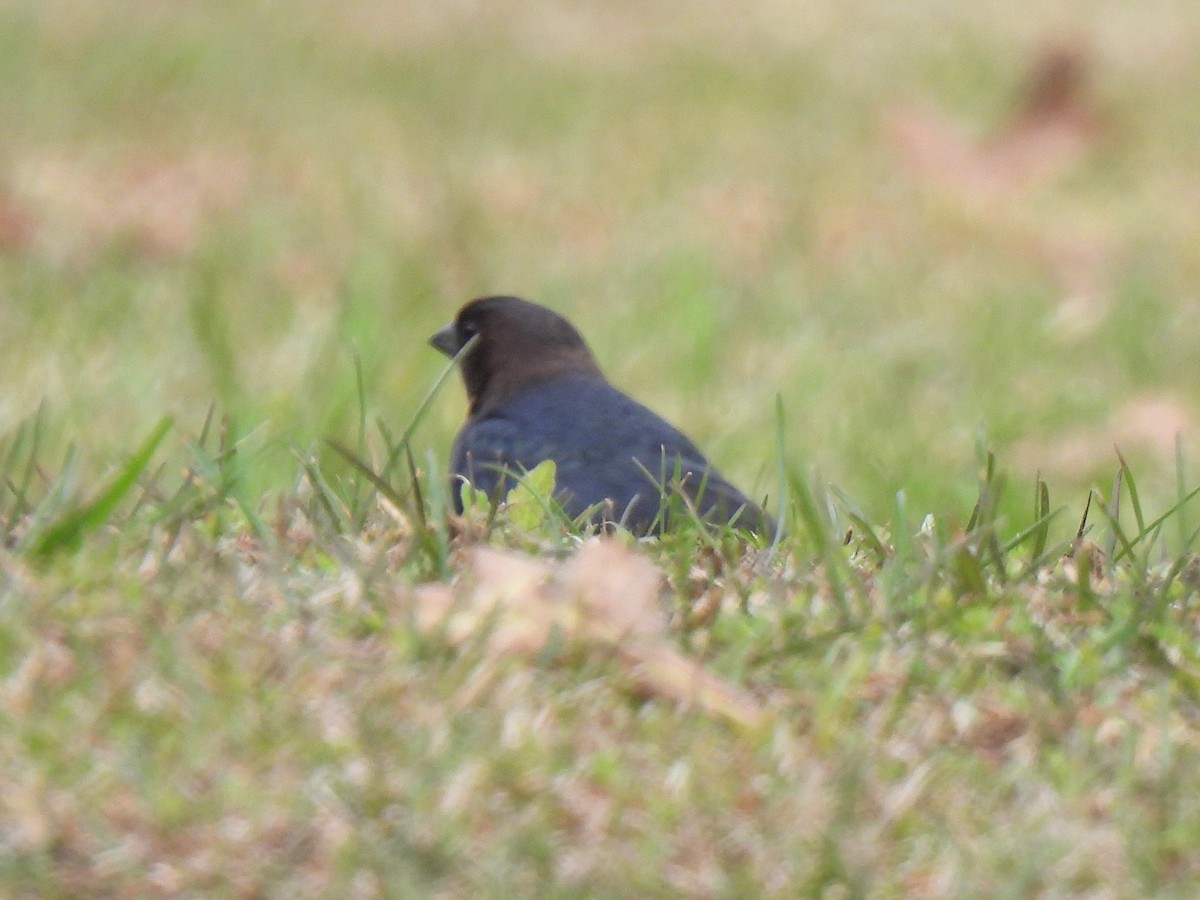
606 447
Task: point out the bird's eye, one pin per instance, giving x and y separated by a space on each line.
467 330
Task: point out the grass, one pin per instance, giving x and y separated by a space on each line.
202 697
245 651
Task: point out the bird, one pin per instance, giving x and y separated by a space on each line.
536 393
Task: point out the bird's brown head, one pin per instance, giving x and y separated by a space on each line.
514 344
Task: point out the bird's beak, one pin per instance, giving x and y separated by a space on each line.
446 340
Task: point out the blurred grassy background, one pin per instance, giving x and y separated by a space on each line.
843 204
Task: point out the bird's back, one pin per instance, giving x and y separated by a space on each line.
605 446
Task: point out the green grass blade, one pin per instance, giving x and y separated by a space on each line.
1083 521
969 572
400 446
69 531
20 490
1154 526
858 518
414 482
782 476
1117 536
1134 501
8 519
1039 529
1042 515
1181 493
364 468
1113 514
358 506
335 509
818 530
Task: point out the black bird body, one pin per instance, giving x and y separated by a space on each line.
535 393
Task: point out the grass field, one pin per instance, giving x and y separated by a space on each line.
925 274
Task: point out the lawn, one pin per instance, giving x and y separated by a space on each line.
924 275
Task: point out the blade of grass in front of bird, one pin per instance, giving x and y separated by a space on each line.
68 532
679 504
423 407
396 449
674 502
664 498
690 500
667 500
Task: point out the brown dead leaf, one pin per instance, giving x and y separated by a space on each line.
603 598
1056 120
618 591
996 728
1054 124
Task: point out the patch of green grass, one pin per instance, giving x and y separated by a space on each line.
209 691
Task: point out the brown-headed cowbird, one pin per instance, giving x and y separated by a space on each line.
534 393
